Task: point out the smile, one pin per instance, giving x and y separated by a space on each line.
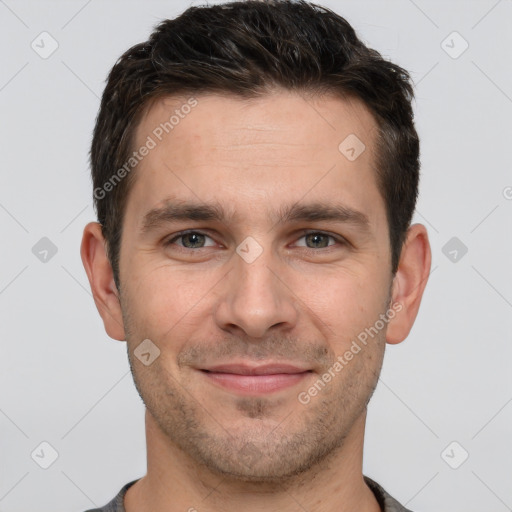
255 380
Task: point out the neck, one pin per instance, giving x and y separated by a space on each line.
175 482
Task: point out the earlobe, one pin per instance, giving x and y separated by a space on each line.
409 282
101 280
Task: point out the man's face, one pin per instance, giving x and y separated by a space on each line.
272 283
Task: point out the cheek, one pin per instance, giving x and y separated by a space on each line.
345 302
167 302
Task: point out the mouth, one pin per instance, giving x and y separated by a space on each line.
249 379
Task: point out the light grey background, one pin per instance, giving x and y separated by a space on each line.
63 381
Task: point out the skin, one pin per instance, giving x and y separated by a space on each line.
210 448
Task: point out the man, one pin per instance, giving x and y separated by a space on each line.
255 172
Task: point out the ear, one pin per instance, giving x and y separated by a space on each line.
409 282
101 278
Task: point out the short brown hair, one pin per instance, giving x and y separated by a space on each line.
246 48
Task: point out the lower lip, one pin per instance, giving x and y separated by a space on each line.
256 384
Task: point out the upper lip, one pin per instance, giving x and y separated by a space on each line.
255 369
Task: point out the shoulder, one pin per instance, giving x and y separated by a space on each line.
116 504
386 501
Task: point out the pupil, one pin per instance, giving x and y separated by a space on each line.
192 240
317 240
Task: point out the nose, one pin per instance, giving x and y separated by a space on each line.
256 299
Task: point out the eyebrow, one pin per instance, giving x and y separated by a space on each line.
311 212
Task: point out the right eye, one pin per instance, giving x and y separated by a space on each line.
191 240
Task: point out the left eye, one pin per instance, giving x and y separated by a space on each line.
316 240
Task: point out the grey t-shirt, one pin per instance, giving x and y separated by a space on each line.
387 503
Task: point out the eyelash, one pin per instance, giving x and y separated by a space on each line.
304 233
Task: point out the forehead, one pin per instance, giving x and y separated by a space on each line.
279 117
279 148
